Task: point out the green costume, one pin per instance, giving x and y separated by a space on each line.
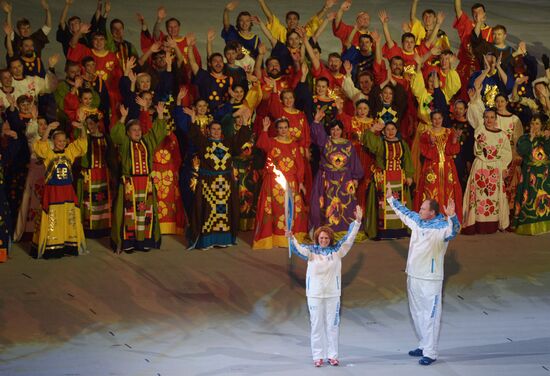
393 165
532 205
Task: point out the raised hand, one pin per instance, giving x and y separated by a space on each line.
440 17
44 4
389 192
383 16
358 213
141 103
84 28
191 39
449 210
266 123
231 6
522 47
7 29
375 36
161 13
210 35
348 67
160 110
319 115
123 112
181 94
346 5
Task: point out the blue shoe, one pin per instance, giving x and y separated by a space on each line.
416 352
425 361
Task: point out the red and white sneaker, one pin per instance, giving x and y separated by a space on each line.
318 363
334 362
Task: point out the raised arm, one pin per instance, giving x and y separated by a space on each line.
230 7
161 15
7 8
268 13
344 7
265 30
407 216
412 14
64 13
191 40
346 243
46 7
384 20
458 8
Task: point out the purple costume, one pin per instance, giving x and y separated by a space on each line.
333 198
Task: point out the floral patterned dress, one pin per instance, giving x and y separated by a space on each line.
532 207
438 178
282 157
485 204
333 198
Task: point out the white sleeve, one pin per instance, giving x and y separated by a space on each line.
407 216
304 251
349 239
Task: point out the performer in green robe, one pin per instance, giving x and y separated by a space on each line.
135 221
394 166
532 205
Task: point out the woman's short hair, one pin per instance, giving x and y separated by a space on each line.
326 230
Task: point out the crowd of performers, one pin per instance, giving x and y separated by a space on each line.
137 141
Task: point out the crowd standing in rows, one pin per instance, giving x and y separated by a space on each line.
138 141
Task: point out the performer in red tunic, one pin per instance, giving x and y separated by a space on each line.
354 128
282 106
282 160
439 179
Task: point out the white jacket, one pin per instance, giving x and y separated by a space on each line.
324 264
429 240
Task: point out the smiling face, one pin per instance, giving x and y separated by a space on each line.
202 108
408 44
59 142
244 23
173 29
216 64
323 239
387 95
238 93
336 132
16 69
390 131
86 99
321 88
215 131
293 40
362 110
292 21
98 43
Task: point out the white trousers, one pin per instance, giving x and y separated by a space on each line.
425 306
324 314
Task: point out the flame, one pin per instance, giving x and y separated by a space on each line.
280 178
